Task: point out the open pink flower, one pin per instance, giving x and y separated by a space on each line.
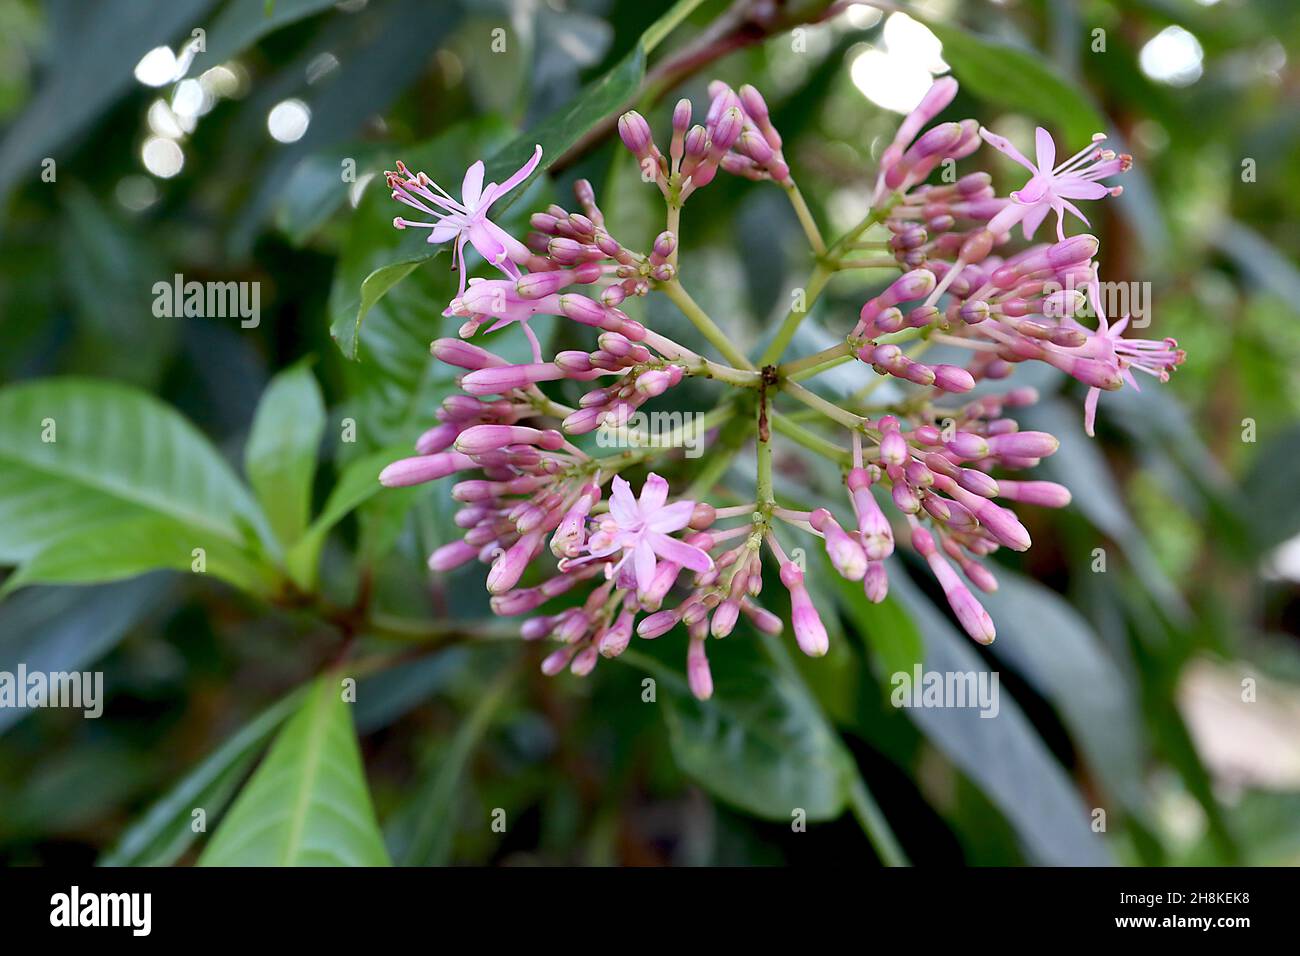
464 219
1107 345
1155 357
641 529
1051 188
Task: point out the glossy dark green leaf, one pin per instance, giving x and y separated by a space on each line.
109 41
1080 465
430 843
760 743
1271 488
241 23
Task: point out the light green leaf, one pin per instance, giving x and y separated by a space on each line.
76 453
358 483
280 457
308 804
116 549
373 288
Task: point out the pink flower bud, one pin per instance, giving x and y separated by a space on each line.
761 617
968 445
635 133
809 632
557 661
499 380
436 439
726 132
659 623
875 584
893 448
1048 494
724 618
846 555
615 640
952 378
483 438
537 285
697 669
422 468
1024 445
452 555
464 355
873 526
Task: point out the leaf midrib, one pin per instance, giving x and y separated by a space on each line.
312 763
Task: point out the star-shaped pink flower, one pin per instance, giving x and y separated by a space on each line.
1051 187
1107 345
641 529
464 220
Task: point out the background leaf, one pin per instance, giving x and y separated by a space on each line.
308 804
280 457
165 831
760 743
1017 78
68 629
117 455
1003 754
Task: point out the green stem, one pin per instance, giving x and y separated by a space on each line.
816 282
880 262
675 227
876 215
708 328
812 364
763 451
810 439
806 219
829 409
673 440
821 274
873 822
698 365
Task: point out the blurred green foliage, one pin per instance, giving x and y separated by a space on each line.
192 422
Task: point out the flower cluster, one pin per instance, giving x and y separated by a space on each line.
931 468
